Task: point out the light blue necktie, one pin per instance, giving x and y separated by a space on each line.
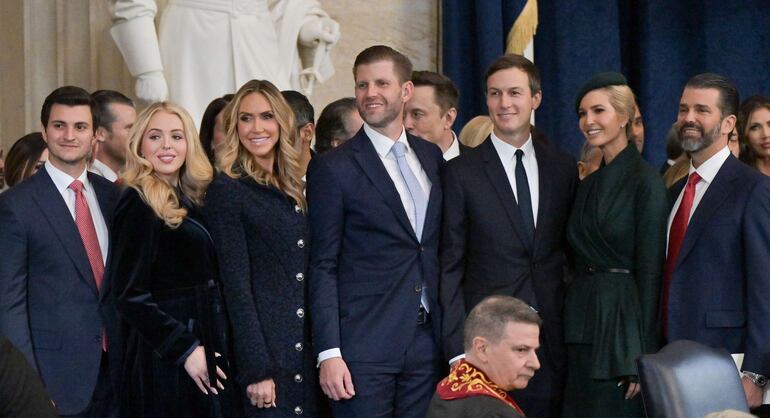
419 201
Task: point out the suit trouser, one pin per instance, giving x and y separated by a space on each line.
401 389
103 402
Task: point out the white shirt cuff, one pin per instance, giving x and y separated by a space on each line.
327 354
454 359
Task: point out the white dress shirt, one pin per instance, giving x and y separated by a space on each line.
100 168
507 154
454 149
383 145
62 182
708 170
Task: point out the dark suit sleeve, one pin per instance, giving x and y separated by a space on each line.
14 318
326 217
452 257
756 232
651 217
224 214
134 244
21 391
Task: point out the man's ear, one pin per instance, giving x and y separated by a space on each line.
480 346
728 124
307 132
101 134
450 117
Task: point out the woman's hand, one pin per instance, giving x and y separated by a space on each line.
195 365
633 386
262 394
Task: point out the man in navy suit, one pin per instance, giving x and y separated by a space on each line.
506 204
54 238
374 216
716 280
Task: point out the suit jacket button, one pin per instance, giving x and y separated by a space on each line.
298 410
300 312
418 288
298 346
298 378
300 277
301 243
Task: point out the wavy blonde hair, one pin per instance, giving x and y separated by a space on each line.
236 161
194 175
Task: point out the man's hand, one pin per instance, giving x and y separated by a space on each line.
754 393
335 378
262 394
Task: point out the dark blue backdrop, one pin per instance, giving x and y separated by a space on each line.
658 45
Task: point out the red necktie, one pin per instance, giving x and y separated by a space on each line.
675 238
85 224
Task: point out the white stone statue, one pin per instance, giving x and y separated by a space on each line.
207 48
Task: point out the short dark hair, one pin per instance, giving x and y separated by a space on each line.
515 61
331 123
103 116
68 96
445 91
208 121
401 64
489 318
728 94
303 110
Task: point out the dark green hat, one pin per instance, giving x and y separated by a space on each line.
598 81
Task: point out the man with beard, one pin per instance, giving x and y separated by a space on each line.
715 278
114 114
374 217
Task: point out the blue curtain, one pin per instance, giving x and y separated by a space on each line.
658 45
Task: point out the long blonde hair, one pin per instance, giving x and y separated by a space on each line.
194 175
236 161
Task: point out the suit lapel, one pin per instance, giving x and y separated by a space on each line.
545 188
431 168
51 204
106 199
499 180
716 194
371 165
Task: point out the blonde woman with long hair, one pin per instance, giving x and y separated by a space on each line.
164 273
256 210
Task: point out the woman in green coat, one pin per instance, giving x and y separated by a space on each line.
617 230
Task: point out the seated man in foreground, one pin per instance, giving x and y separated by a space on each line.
501 336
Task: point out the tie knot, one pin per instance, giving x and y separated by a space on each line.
399 149
76 186
693 179
519 154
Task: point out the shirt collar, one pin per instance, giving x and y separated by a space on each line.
709 169
104 170
63 180
507 151
454 149
383 144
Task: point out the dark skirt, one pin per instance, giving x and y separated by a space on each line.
585 397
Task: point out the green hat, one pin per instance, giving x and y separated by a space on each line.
598 81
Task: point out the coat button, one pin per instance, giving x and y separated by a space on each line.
297 209
298 378
301 243
418 288
298 410
298 346
300 312
300 277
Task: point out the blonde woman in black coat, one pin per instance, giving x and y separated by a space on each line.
256 210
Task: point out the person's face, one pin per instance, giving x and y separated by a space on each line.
513 361
41 161
69 134
600 123
510 102
116 142
164 145
258 129
353 123
380 96
699 119
423 116
219 131
637 130
758 132
591 164
734 144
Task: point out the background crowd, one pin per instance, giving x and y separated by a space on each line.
272 264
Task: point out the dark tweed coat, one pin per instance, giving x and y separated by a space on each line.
262 244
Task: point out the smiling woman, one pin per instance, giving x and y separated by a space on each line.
754 132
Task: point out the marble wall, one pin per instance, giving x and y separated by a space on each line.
48 43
